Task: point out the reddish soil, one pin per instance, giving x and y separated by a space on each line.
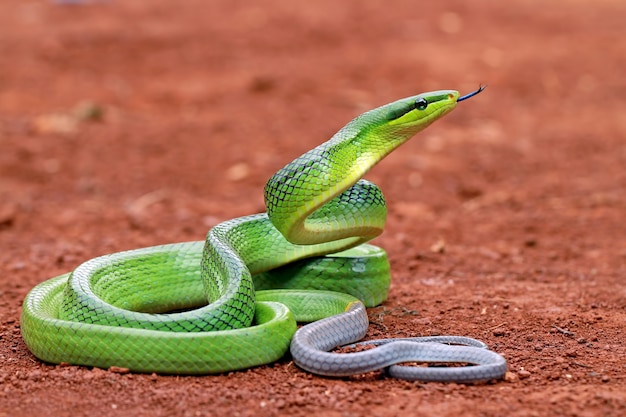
130 124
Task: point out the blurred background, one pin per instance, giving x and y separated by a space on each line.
170 114
134 123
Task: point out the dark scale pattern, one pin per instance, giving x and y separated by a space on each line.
330 202
82 304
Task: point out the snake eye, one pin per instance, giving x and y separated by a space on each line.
421 103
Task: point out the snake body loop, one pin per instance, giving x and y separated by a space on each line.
215 306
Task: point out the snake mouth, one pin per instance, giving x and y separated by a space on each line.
472 94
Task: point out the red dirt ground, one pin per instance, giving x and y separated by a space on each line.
130 124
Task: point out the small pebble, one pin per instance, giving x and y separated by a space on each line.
17 266
438 247
511 377
238 172
118 370
523 374
8 213
36 375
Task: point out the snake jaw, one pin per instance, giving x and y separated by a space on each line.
417 116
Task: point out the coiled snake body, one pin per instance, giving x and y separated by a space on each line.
214 306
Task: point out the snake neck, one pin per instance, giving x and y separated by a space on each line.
320 184
319 197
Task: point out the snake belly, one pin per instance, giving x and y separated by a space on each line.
214 306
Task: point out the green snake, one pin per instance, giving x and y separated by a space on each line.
232 301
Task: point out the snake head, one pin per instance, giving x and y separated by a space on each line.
406 117
391 125
417 112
